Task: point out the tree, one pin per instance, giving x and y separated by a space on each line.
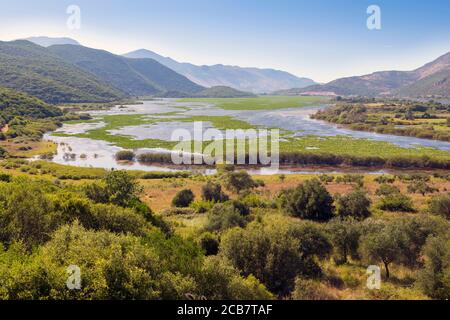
440 205
276 254
355 204
183 198
344 235
387 190
209 243
239 181
434 278
311 201
420 187
224 216
396 202
212 191
385 245
121 187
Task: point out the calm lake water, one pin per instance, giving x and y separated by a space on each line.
100 154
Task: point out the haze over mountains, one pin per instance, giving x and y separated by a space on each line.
47 41
60 70
432 79
246 79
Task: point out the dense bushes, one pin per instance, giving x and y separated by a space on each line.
183 198
213 192
434 279
355 204
440 205
276 255
310 200
224 216
125 155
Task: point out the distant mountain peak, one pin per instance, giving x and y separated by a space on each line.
253 80
49 41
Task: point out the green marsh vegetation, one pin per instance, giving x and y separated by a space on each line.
426 120
261 102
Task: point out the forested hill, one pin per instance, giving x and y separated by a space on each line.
13 104
33 69
137 77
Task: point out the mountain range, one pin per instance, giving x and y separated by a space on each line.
33 69
136 77
60 70
432 79
245 79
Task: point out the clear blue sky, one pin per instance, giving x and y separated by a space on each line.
321 39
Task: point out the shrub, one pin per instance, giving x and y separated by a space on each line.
434 278
326 178
209 243
125 155
311 201
276 254
387 190
344 235
121 187
183 198
396 202
421 187
239 181
384 179
201 206
224 216
5 177
355 204
212 191
440 205
307 289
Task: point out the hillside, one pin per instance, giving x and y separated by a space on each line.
48 41
30 68
223 92
136 77
13 104
244 79
431 79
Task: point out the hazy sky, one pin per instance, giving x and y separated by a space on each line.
320 39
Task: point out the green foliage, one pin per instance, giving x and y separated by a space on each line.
351 179
30 68
224 216
209 243
434 279
399 241
307 289
396 202
121 187
311 201
125 155
239 181
276 254
14 104
385 179
212 191
183 198
421 187
344 235
355 204
440 205
387 190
